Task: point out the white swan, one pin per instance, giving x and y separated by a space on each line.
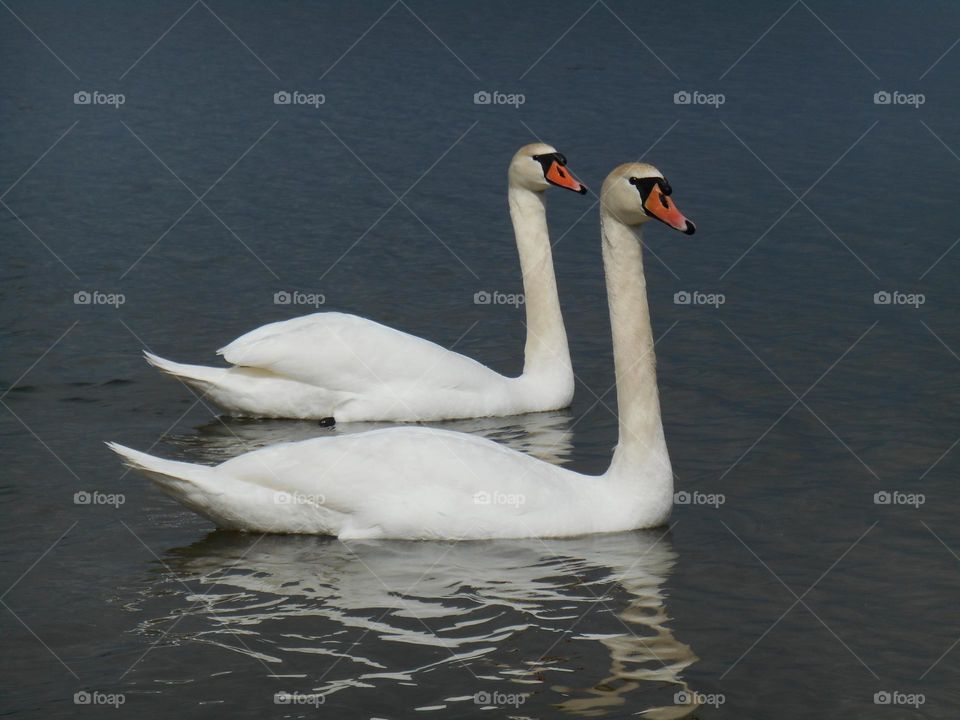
417 482
333 365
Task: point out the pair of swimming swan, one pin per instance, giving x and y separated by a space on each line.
425 483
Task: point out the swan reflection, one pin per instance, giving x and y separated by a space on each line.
576 624
545 435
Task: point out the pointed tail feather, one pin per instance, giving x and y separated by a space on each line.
254 392
231 503
194 374
168 473
195 486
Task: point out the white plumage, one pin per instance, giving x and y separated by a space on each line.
351 369
430 483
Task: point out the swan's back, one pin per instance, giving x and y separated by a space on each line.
347 353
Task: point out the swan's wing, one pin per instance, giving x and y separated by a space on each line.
349 353
422 482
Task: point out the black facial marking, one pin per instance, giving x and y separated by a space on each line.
547 159
646 185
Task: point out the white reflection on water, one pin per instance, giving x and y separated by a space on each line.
545 435
522 614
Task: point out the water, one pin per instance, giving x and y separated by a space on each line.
797 597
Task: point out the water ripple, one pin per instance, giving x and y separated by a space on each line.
575 624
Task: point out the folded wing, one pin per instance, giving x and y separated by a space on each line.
349 353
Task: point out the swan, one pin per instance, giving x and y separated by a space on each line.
426 483
333 365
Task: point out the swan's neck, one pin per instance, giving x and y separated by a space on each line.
546 351
641 449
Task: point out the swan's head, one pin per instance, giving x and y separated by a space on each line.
635 192
538 166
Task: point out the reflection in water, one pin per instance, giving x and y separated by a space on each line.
545 435
579 623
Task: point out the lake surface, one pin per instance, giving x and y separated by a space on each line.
784 587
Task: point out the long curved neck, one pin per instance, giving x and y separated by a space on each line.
546 350
641 447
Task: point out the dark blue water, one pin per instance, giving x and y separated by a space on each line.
797 399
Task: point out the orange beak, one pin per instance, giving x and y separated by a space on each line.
560 176
661 207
